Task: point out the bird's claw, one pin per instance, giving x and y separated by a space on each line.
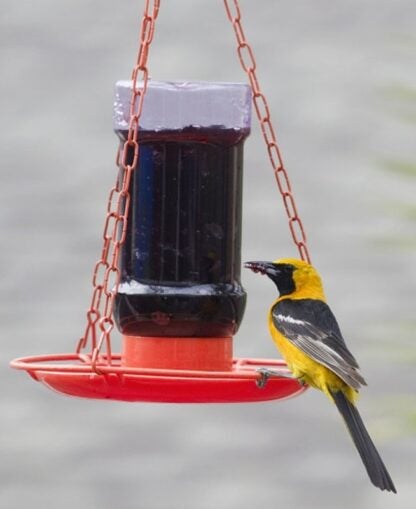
265 374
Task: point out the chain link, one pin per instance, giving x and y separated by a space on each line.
261 107
106 274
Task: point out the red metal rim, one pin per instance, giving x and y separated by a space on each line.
72 374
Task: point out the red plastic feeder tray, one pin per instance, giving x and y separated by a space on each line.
72 375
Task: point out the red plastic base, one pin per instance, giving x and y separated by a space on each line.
71 374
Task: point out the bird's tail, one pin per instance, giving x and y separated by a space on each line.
372 461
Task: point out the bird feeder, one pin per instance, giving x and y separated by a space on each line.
169 272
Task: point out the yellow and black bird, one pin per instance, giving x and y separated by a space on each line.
307 334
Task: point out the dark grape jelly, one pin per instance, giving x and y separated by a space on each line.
181 259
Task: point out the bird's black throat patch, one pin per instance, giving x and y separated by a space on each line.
284 278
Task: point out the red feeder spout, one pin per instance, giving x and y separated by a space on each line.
196 354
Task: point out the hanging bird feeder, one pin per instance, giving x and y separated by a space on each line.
169 272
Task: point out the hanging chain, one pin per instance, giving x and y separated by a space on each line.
248 63
106 275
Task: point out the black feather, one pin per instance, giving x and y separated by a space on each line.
373 463
311 326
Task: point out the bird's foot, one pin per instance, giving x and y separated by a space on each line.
266 373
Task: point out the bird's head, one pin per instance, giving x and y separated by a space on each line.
289 275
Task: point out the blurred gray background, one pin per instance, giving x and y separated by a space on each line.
340 78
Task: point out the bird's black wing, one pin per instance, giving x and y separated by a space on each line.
311 326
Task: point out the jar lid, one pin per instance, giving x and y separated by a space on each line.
177 105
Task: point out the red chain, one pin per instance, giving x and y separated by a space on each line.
106 275
248 63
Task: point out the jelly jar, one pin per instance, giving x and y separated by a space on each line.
181 260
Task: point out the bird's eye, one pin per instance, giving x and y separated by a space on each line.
289 269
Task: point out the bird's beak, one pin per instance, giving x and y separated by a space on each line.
267 268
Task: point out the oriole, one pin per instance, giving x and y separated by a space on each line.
307 334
